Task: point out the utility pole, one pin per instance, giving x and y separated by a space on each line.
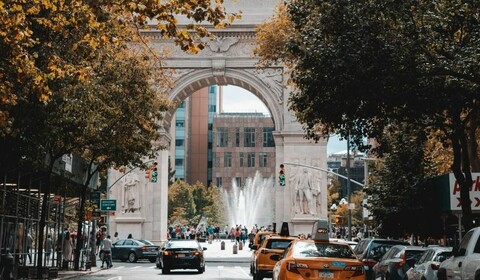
349 192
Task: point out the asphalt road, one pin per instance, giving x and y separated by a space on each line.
146 270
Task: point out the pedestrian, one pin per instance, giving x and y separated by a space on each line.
29 244
115 237
130 236
48 247
107 252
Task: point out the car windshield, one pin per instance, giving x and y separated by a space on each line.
146 242
443 256
378 249
327 250
182 244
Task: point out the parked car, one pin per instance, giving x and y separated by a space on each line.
318 258
370 250
427 266
133 250
397 261
181 254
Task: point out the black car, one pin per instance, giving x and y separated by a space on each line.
371 250
181 254
397 261
133 250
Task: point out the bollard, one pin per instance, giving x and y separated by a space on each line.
240 246
222 245
235 249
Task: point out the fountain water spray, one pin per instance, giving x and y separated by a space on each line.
251 204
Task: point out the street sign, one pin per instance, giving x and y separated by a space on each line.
108 205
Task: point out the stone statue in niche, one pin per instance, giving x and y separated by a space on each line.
131 202
306 191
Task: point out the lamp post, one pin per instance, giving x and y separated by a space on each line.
333 209
349 192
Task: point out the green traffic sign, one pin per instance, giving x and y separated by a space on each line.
108 205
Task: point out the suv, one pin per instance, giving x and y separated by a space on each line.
371 250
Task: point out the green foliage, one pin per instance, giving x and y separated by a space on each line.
397 191
187 204
361 65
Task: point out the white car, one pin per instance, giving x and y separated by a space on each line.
427 266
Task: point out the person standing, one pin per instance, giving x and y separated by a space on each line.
115 237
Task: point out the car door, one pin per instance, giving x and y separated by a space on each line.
454 268
382 265
116 249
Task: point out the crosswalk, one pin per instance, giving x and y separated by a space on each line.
207 267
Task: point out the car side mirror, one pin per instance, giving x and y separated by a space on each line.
204 248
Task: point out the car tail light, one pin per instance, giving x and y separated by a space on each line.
357 269
144 248
435 266
369 262
402 261
167 253
196 253
264 251
293 266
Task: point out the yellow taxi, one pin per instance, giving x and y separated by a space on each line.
257 241
264 258
318 259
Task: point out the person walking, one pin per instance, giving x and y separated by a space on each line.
29 245
107 252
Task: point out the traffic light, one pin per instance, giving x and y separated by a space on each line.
154 172
281 177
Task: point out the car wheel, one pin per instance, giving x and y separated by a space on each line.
201 269
442 274
132 257
165 270
258 275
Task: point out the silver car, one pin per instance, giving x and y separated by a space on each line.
427 266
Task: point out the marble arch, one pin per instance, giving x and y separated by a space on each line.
199 79
228 60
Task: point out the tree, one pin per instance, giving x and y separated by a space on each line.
361 65
189 203
47 47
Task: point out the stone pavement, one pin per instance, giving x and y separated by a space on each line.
214 253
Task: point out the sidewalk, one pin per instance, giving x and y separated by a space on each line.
214 253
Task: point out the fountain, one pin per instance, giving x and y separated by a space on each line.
251 204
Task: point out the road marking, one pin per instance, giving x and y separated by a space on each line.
135 267
221 267
243 271
115 278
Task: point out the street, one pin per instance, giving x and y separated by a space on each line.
146 270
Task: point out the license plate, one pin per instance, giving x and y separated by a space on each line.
325 274
180 255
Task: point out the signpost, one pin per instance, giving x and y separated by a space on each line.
108 204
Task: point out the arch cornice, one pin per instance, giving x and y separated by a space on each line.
266 84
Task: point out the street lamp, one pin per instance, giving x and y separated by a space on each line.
333 209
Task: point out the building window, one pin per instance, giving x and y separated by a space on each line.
222 136
180 123
263 160
241 158
268 137
238 181
227 159
249 134
179 142
219 182
251 159
179 162
237 137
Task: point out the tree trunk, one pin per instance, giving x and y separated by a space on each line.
461 170
41 225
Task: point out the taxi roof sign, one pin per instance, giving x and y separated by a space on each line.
320 230
284 230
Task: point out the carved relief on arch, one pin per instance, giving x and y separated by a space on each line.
272 78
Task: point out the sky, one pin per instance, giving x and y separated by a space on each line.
239 100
